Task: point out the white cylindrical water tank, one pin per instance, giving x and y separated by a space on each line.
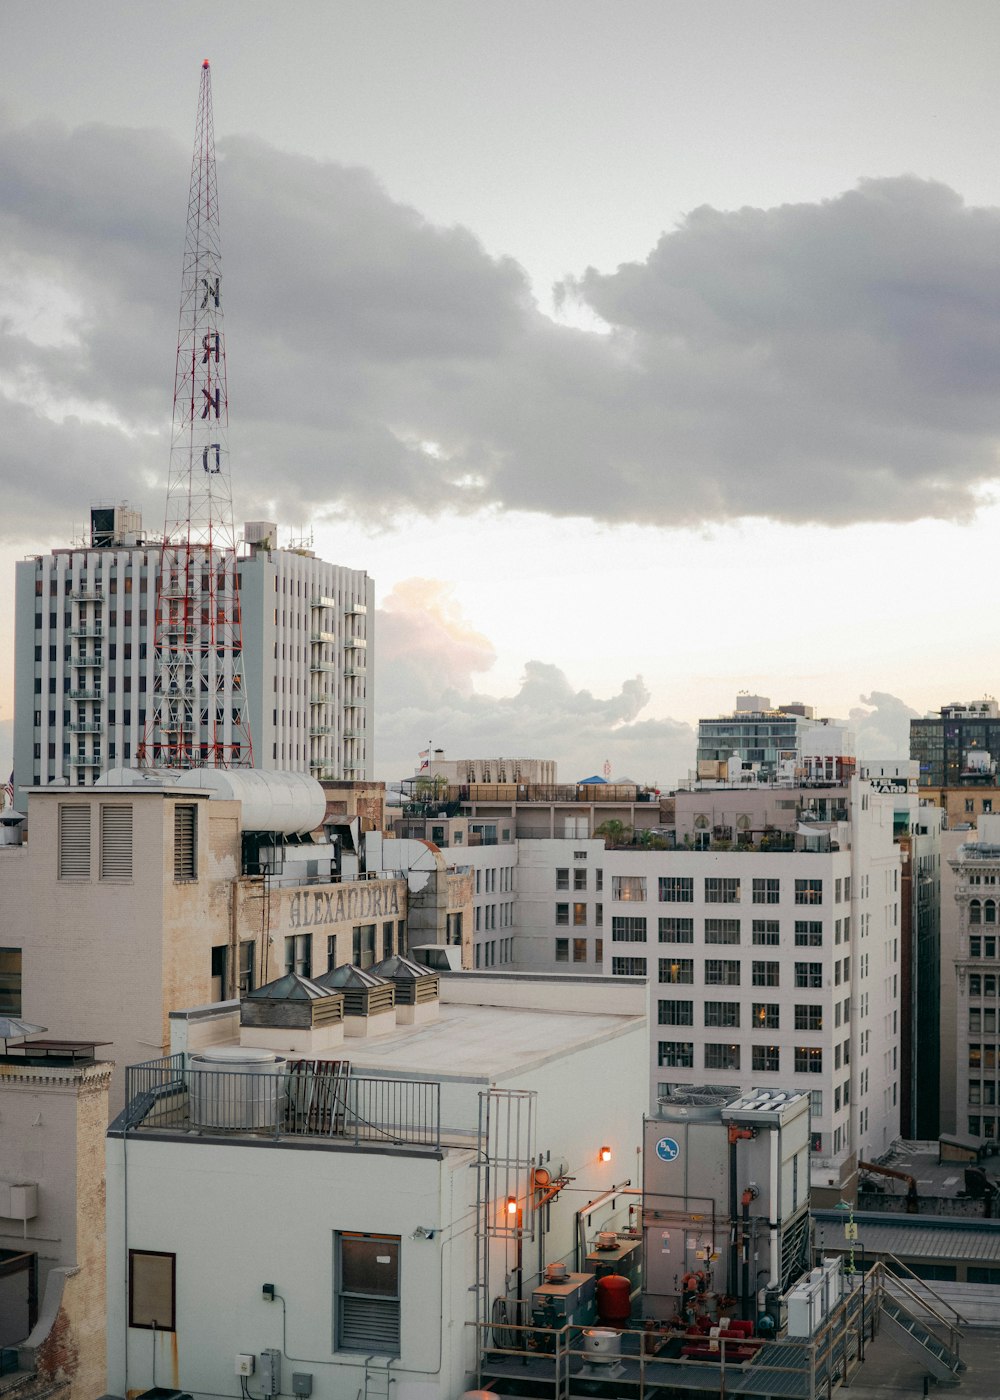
233 1086
288 803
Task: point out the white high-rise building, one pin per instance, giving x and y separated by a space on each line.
976 960
84 656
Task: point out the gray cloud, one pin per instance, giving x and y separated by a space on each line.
426 659
832 361
882 729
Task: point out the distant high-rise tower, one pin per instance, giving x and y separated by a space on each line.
198 715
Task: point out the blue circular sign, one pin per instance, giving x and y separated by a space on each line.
668 1150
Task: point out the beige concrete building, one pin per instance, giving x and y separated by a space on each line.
53 1118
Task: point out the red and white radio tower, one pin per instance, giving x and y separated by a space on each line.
198 715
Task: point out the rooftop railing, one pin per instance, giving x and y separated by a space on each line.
288 1099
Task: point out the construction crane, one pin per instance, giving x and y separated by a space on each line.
912 1199
198 713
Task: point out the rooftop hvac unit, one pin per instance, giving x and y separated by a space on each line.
236 1087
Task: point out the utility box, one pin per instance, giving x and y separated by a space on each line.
270 1371
573 1299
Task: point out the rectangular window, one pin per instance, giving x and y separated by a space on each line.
453 934
677 971
676 1013
722 1013
599 880
766 933
579 950
116 841
562 879
298 954
808 1059
367 1293
152 1290
722 930
630 888
74 841
722 972
185 841
598 950
808 974
808 933
579 916
562 913
722 1056
808 891
362 947
674 930
629 928
579 879
765 1059
247 951
598 915
628 967
766 1016
10 981
562 950
766 974
766 890
676 889
388 928
808 1018
722 889
678 1054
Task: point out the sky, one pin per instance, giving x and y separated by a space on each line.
641 352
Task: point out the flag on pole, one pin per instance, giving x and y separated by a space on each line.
7 793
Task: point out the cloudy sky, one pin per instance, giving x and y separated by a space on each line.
642 350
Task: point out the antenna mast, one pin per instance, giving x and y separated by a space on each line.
198 715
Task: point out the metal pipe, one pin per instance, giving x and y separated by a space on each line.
774 1210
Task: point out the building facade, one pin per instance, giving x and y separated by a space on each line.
85 667
976 866
771 742
959 747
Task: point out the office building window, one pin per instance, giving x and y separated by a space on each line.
722 1056
766 974
674 930
677 971
722 972
766 1016
808 891
10 981
766 933
579 915
629 928
579 950
722 930
678 1054
367 1293
579 879
808 1018
766 890
628 888
247 951
808 1059
676 889
152 1291
562 913
363 946
562 878
808 974
808 933
676 1013
722 889
628 967
765 1059
722 1013
562 950
298 954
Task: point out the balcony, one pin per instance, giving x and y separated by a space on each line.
291 1101
317 731
86 695
322 601
354 671
85 595
322 767
356 610
354 642
320 699
353 733
86 661
88 728
93 629
90 760
317 638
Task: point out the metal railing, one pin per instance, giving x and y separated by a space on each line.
316 1099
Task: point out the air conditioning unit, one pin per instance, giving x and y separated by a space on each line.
18 1200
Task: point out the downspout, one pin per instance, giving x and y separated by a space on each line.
774 1209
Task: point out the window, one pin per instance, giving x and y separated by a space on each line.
362 946
722 972
367 1293
185 841
298 954
808 933
453 934
247 951
722 1013
562 913
629 928
808 1059
579 879
766 891
766 974
116 841
766 1016
677 971
808 891
580 916
678 1054
628 967
598 915
562 878
676 889
808 974
628 887
388 928
722 889
722 1056
766 933
674 930
599 880
722 930
676 1013
152 1291
765 1059
598 950
808 1018
10 981
74 841
562 950
579 855
579 950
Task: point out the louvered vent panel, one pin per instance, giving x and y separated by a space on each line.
74 841
116 842
185 817
370 1324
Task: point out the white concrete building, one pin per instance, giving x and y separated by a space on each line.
84 656
367 1240
976 965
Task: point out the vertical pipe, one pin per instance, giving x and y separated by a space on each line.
774 1207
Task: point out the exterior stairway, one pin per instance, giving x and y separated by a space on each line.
942 1362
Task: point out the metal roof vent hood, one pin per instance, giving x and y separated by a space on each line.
417 989
369 1000
293 1015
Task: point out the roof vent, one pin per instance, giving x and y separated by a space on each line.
292 1014
369 1000
417 989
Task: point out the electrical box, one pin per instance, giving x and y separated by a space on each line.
572 1300
244 1364
302 1383
270 1371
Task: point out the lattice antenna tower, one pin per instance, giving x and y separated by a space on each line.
198 716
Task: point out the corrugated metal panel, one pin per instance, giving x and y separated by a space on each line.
910 1240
